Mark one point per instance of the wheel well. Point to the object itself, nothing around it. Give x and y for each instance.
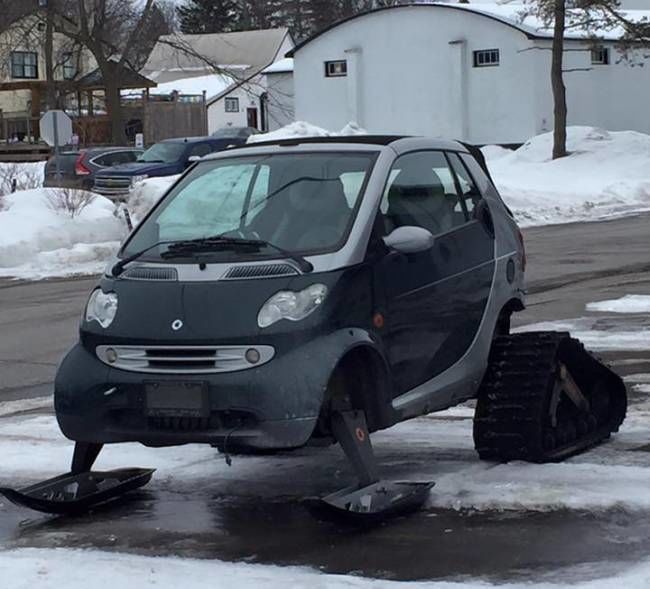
(503, 321)
(359, 381)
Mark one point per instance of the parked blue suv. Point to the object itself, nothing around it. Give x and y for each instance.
(166, 158)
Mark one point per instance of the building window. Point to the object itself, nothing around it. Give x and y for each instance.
(232, 104)
(24, 64)
(69, 66)
(600, 56)
(486, 58)
(336, 69)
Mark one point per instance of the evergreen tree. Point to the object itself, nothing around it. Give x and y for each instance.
(208, 16)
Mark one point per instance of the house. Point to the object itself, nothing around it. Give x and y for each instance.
(22, 65)
(471, 71)
(227, 67)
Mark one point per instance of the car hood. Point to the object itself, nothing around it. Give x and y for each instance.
(140, 169)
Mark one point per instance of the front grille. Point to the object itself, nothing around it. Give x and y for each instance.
(112, 185)
(183, 359)
(151, 273)
(259, 271)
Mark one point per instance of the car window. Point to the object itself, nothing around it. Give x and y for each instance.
(200, 150)
(470, 193)
(421, 192)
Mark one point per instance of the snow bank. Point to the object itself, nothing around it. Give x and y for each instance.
(37, 241)
(626, 304)
(495, 152)
(606, 175)
(28, 568)
(300, 129)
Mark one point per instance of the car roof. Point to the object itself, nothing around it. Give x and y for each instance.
(399, 143)
(187, 139)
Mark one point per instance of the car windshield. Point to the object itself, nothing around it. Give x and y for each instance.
(228, 132)
(163, 152)
(302, 203)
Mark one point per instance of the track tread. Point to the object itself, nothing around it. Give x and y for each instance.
(512, 414)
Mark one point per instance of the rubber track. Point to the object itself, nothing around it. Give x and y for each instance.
(512, 419)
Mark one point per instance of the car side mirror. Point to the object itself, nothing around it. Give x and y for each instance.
(193, 158)
(410, 239)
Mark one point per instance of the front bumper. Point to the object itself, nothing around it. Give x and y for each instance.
(273, 406)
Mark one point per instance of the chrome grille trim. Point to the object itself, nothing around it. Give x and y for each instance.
(183, 359)
(259, 271)
(152, 273)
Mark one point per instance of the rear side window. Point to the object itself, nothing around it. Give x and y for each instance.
(481, 179)
(115, 158)
(421, 192)
(469, 193)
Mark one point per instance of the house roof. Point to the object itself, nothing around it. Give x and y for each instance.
(283, 66)
(241, 54)
(128, 79)
(508, 14)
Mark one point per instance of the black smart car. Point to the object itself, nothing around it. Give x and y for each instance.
(317, 290)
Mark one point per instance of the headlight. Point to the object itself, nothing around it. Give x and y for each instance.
(294, 306)
(101, 307)
(136, 179)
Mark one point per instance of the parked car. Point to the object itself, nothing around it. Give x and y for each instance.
(79, 168)
(236, 135)
(169, 157)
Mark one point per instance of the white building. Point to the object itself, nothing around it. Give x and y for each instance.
(280, 93)
(468, 71)
(227, 67)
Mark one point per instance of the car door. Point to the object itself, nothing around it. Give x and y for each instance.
(433, 301)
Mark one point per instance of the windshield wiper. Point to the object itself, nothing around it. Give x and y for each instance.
(191, 246)
(150, 161)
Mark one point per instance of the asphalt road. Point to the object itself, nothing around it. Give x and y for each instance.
(259, 519)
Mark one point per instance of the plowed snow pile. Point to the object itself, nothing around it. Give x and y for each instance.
(38, 239)
(606, 175)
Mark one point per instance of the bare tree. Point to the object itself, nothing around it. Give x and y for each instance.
(113, 31)
(69, 201)
(592, 18)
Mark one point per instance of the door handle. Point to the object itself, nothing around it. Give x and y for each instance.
(484, 216)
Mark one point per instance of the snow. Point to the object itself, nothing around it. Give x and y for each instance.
(626, 304)
(301, 129)
(213, 85)
(30, 568)
(495, 152)
(283, 66)
(605, 176)
(37, 241)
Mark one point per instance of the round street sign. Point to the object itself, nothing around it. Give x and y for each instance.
(56, 127)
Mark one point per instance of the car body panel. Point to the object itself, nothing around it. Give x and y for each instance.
(439, 310)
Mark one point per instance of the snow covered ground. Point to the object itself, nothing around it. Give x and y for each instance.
(607, 175)
(56, 568)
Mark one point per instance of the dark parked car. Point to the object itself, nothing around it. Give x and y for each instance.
(315, 291)
(79, 168)
(169, 157)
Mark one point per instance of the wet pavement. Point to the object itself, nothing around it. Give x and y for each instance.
(257, 514)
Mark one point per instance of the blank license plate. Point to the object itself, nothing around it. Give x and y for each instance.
(177, 399)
